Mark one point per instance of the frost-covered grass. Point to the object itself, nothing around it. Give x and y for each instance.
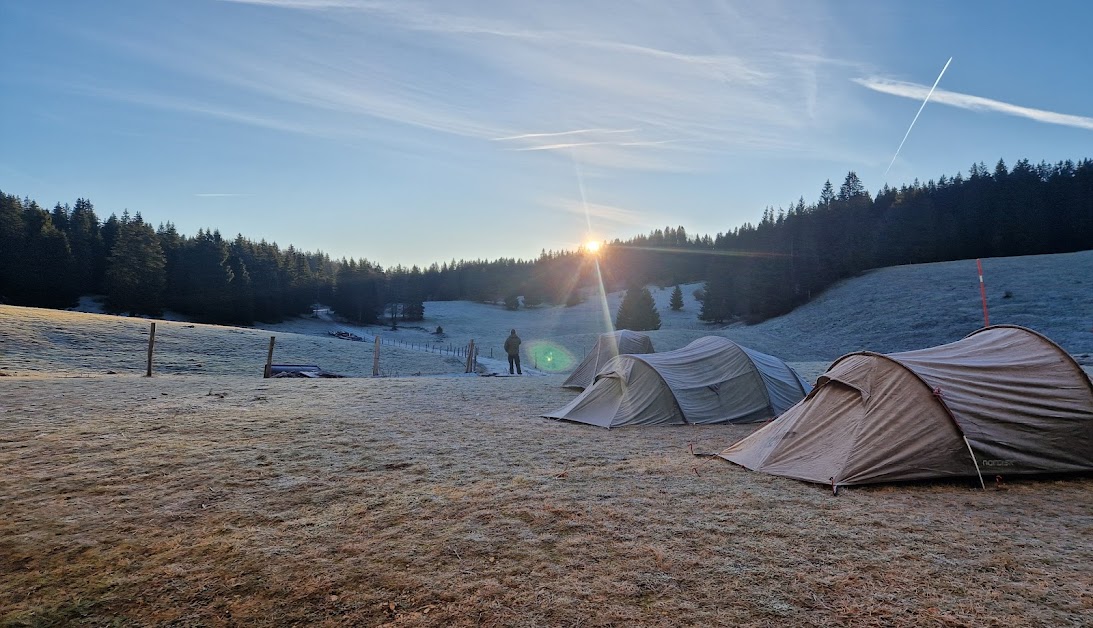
(887, 310)
(208, 496)
(205, 500)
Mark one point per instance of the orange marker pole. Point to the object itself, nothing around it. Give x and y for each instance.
(983, 294)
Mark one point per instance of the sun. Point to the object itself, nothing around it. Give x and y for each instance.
(592, 247)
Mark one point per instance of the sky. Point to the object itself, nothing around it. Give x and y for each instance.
(410, 132)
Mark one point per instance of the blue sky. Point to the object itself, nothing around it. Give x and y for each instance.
(411, 132)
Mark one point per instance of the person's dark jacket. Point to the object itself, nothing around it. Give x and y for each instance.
(512, 344)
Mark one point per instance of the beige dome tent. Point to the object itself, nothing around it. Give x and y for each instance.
(607, 346)
(1004, 400)
(711, 380)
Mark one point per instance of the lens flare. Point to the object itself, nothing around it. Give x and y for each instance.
(550, 357)
(592, 247)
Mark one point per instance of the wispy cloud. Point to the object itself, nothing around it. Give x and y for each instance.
(601, 213)
(915, 91)
(221, 194)
(662, 89)
(526, 136)
(564, 146)
(303, 4)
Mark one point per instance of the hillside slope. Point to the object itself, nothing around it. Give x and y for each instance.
(911, 307)
(885, 310)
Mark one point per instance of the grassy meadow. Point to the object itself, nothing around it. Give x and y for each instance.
(208, 496)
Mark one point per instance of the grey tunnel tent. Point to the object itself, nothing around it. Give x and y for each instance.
(607, 347)
(1004, 400)
(711, 380)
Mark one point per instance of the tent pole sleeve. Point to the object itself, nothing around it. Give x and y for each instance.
(977, 471)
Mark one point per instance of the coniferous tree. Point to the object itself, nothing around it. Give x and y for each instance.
(719, 294)
(47, 261)
(51, 258)
(358, 291)
(13, 272)
(241, 288)
(109, 233)
(413, 299)
(533, 294)
(88, 250)
(637, 312)
(676, 302)
(206, 292)
(135, 273)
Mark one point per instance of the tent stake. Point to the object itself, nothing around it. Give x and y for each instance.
(976, 463)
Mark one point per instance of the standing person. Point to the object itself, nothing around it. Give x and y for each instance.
(512, 348)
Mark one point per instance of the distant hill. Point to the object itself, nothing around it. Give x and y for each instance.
(910, 307)
(886, 310)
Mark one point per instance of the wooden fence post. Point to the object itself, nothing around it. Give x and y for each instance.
(470, 357)
(151, 345)
(269, 358)
(376, 358)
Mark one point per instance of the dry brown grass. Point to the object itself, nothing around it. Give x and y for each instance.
(447, 501)
(203, 496)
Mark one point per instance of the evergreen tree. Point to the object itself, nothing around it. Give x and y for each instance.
(827, 195)
(88, 250)
(171, 243)
(206, 291)
(241, 288)
(358, 291)
(637, 312)
(413, 299)
(852, 187)
(534, 294)
(13, 272)
(676, 303)
(135, 273)
(719, 294)
(47, 261)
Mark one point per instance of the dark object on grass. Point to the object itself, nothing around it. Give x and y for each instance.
(299, 370)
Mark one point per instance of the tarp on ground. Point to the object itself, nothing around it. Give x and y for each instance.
(1004, 400)
(711, 380)
(608, 346)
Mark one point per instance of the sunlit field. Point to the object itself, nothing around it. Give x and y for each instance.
(206, 495)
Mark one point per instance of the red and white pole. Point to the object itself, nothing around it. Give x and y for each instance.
(983, 294)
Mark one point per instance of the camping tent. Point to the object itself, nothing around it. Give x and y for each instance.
(607, 346)
(711, 380)
(1004, 400)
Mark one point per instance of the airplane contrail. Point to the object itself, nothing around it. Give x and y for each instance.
(927, 99)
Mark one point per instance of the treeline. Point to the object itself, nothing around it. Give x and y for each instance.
(764, 270)
(50, 258)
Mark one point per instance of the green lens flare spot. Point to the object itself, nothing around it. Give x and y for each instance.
(549, 357)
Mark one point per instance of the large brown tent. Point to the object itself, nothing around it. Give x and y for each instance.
(607, 346)
(1004, 400)
(711, 380)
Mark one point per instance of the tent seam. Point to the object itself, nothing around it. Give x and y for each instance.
(940, 400)
(1066, 356)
